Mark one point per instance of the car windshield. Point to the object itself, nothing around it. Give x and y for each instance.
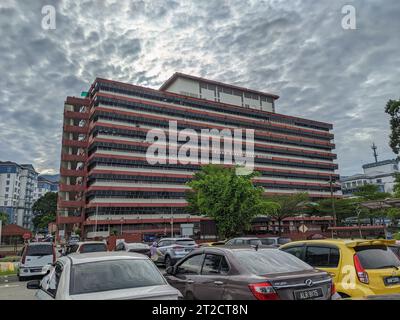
(267, 241)
(114, 275)
(268, 261)
(185, 242)
(93, 247)
(39, 250)
(284, 240)
(377, 257)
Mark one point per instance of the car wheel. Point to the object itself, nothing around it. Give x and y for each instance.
(168, 262)
(21, 278)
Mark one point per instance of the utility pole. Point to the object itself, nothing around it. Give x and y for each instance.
(374, 148)
(333, 201)
(1, 226)
(172, 224)
(95, 222)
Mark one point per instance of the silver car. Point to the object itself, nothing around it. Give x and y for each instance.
(171, 250)
(104, 276)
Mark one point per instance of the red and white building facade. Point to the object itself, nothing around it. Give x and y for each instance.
(106, 182)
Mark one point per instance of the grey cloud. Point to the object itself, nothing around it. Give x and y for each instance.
(296, 49)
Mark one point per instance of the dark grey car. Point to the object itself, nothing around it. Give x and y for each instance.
(232, 273)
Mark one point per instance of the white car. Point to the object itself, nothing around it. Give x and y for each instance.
(35, 256)
(104, 276)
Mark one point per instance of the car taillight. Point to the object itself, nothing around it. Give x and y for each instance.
(178, 248)
(333, 289)
(263, 291)
(361, 273)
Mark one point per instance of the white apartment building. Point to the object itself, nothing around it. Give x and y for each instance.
(379, 173)
(18, 183)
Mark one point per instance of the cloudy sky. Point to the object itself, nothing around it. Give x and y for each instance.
(296, 49)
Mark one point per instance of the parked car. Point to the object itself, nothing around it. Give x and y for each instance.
(104, 276)
(86, 247)
(359, 267)
(212, 244)
(73, 239)
(239, 273)
(252, 241)
(137, 247)
(34, 257)
(173, 249)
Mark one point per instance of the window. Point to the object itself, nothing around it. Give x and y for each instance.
(93, 247)
(8, 175)
(297, 251)
(377, 257)
(322, 256)
(8, 182)
(51, 281)
(120, 247)
(266, 261)
(7, 189)
(239, 241)
(114, 275)
(378, 180)
(213, 265)
(191, 265)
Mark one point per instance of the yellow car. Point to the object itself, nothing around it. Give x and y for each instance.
(359, 268)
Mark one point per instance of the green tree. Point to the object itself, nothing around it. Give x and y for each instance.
(393, 110)
(289, 205)
(371, 192)
(231, 200)
(396, 188)
(345, 208)
(4, 218)
(44, 210)
(393, 214)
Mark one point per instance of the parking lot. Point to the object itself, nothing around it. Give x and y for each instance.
(12, 289)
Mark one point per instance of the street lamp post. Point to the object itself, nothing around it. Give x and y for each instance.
(333, 201)
(172, 224)
(121, 220)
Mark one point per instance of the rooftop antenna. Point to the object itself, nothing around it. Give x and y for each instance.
(374, 147)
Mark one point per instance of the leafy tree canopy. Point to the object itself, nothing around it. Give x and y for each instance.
(393, 110)
(231, 200)
(4, 218)
(44, 210)
(371, 192)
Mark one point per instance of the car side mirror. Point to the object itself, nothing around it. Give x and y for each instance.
(170, 270)
(34, 284)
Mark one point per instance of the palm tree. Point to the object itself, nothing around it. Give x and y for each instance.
(288, 205)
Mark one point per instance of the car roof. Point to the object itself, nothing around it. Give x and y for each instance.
(235, 248)
(176, 239)
(346, 242)
(79, 258)
(246, 238)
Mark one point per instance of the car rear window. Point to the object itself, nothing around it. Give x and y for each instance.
(267, 261)
(39, 250)
(377, 257)
(93, 247)
(114, 275)
(185, 242)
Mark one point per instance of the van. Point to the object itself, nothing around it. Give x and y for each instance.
(35, 256)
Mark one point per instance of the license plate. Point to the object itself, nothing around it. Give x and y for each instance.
(308, 294)
(390, 281)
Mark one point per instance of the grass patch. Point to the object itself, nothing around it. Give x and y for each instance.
(10, 259)
(8, 273)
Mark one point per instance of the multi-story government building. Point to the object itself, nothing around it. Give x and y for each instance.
(108, 184)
